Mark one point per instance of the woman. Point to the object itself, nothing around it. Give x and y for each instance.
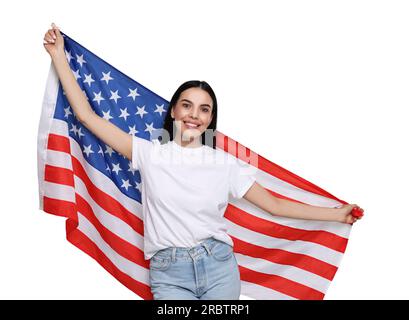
(191, 254)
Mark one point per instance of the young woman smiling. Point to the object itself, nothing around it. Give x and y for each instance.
(185, 189)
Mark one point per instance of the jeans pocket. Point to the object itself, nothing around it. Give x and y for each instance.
(222, 251)
(157, 263)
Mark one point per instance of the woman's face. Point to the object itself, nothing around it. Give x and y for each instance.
(192, 113)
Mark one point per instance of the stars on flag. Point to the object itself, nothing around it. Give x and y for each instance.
(149, 127)
(106, 77)
(67, 112)
(68, 55)
(132, 130)
(87, 150)
(106, 115)
(114, 96)
(88, 79)
(74, 129)
(124, 114)
(76, 74)
(97, 97)
(141, 111)
(80, 59)
(138, 186)
(125, 184)
(116, 168)
(109, 150)
(80, 134)
(160, 109)
(127, 105)
(130, 169)
(133, 94)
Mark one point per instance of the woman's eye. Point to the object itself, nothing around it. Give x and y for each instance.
(206, 110)
(185, 105)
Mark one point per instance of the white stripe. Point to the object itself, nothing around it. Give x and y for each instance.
(59, 159)
(286, 271)
(337, 228)
(59, 191)
(302, 247)
(259, 292)
(47, 111)
(134, 270)
(111, 222)
(59, 127)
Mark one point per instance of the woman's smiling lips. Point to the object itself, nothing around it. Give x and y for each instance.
(190, 124)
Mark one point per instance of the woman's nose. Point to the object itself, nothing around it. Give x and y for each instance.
(194, 114)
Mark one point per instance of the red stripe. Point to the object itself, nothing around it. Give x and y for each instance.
(81, 241)
(276, 230)
(302, 261)
(58, 143)
(59, 175)
(280, 284)
(240, 151)
(59, 207)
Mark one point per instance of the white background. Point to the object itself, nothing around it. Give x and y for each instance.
(318, 87)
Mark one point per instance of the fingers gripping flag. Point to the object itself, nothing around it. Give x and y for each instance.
(99, 192)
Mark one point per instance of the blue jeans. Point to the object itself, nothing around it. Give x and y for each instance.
(207, 271)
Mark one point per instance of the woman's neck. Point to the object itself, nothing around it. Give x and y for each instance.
(192, 143)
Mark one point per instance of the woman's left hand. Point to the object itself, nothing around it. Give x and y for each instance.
(345, 214)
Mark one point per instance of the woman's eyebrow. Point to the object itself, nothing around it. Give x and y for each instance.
(192, 103)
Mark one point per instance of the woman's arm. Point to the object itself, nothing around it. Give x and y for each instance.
(285, 208)
(102, 128)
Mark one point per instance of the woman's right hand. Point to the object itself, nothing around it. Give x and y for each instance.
(53, 41)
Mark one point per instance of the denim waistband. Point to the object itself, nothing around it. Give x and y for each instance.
(203, 247)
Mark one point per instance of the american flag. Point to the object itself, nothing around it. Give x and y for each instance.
(99, 193)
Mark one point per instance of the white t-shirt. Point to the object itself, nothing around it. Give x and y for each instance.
(185, 192)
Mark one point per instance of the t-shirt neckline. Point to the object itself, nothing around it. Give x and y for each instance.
(187, 149)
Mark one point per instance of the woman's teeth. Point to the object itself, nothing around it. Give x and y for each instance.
(191, 125)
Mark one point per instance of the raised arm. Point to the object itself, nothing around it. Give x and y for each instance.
(102, 128)
(260, 197)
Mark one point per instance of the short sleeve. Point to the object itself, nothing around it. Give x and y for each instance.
(241, 177)
(141, 148)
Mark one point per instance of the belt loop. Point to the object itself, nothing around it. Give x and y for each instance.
(173, 254)
(207, 248)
